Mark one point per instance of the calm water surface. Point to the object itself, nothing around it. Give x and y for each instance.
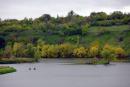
(55, 73)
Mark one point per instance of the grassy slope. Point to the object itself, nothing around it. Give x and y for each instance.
(109, 28)
(110, 34)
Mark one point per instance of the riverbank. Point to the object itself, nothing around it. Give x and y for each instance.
(92, 61)
(16, 60)
(86, 61)
(122, 60)
(102, 61)
(6, 69)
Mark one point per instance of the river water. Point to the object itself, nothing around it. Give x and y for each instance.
(54, 73)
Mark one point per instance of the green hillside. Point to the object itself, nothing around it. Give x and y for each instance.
(114, 35)
(113, 29)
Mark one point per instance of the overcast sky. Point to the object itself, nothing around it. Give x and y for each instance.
(35, 8)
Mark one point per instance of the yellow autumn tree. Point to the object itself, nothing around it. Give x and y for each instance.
(80, 52)
(108, 52)
(109, 47)
(43, 49)
(66, 50)
(18, 49)
(52, 51)
(94, 49)
(120, 52)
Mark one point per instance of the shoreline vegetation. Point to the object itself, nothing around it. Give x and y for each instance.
(98, 54)
(6, 69)
(87, 61)
(16, 60)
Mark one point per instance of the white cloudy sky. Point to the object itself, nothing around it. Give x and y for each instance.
(35, 8)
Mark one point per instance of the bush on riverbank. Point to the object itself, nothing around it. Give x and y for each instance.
(6, 69)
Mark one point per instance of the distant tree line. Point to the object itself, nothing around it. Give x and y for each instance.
(72, 24)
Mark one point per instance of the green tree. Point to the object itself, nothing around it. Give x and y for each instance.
(30, 50)
(40, 42)
(37, 54)
(45, 17)
(8, 51)
(107, 54)
(95, 16)
(117, 15)
(1, 53)
(85, 28)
